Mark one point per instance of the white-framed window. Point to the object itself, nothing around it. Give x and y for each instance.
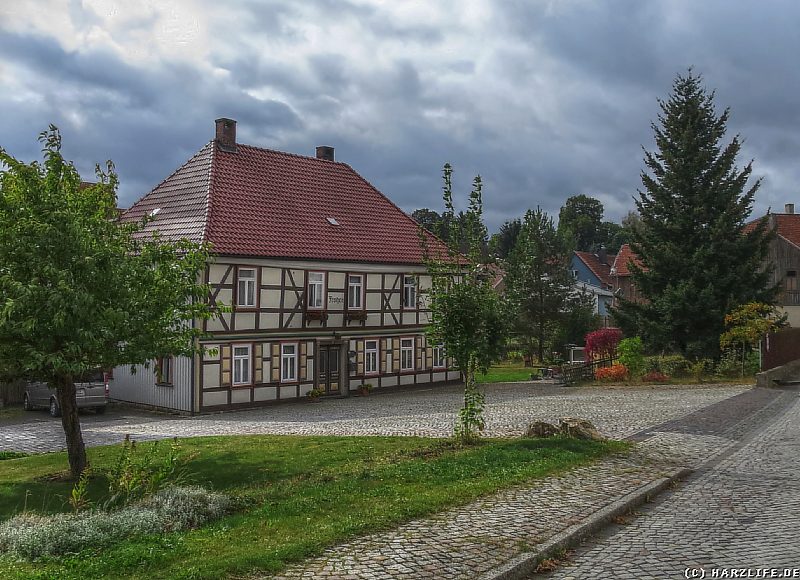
(288, 362)
(246, 288)
(409, 291)
(316, 289)
(241, 364)
(370, 357)
(355, 291)
(439, 357)
(407, 354)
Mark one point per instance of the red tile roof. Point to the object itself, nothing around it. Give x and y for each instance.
(624, 258)
(787, 225)
(602, 271)
(180, 201)
(263, 203)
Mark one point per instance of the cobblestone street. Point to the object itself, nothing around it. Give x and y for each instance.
(740, 511)
(617, 412)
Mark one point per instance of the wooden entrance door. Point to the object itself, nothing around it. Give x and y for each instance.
(329, 371)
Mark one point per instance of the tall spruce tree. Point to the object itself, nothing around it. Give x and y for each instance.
(540, 287)
(699, 261)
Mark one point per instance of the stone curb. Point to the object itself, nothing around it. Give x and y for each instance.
(525, 564)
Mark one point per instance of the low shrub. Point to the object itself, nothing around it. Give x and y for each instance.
(655, 377)
(11, 455)
(32, 536)
(673, 365)
(615, 372)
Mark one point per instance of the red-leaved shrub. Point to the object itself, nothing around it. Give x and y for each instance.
(612, 373)
(602, 343)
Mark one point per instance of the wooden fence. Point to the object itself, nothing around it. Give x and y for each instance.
(779, 348)
(573, 373)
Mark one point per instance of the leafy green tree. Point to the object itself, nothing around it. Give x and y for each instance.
(78, 290)
(581, 218)
(467, 315)
(501, 243)
(746, 325)
(699, 261)
(429, 219)
(539, 285)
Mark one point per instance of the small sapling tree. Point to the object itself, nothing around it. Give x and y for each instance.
(467, 314)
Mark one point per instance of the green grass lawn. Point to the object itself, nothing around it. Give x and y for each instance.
(298, 495)
(11, 412)
(506, 372)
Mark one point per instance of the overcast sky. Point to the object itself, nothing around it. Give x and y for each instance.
(545, 99)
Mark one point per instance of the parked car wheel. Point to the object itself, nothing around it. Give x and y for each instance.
(26, 403)
(100, 410)
(54, 410)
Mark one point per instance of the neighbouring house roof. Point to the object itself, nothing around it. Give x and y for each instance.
(264, 203)
(625, 257)
(599, 269)
(786, 225)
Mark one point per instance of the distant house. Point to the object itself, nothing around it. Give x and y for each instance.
(324, 274)
(607, 276)
(784, 258)
(620, 275)
(592, 274)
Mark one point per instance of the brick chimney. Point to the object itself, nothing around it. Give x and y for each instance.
(226, 134)
(325, 152)
(789, 208)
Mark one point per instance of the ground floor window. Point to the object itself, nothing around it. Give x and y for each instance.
(241, 365)
(407, 354)
(164, 370)
(371, 357)
(439, 359)
(288, 362)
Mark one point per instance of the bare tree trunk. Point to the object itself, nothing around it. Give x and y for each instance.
(76, 450)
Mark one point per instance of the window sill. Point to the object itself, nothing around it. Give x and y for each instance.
(168, 385)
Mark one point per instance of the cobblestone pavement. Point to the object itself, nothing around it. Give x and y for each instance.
(429, 412)
(740, 511)
(473, 540)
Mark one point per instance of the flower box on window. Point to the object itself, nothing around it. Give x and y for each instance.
(316, 315)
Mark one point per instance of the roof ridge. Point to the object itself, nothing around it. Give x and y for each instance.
(288, 154)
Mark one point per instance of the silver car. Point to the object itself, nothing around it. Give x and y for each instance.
(91, 390)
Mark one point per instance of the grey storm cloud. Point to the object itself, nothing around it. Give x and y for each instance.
(544, 100)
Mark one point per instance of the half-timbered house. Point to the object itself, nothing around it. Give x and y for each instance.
(323, 274)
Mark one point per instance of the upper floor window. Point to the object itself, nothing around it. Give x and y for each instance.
(246, 287)
(316, 289)
(409, 291)
(407, 354)
(370, 356)
(241, 364)
(790, 282)
(355, 291)
(288, 362)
